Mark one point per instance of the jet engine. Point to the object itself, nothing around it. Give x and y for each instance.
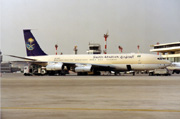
(54, 66)
(83, 68)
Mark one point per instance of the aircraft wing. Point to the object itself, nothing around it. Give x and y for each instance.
(99, 67)
(22, 57)
(28, 60)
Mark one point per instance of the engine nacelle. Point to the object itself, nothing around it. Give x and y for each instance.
(82, 68)
(54, 66)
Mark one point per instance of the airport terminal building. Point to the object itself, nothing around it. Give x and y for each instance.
(170, 51)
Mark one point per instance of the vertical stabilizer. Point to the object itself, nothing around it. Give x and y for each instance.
(32, 46)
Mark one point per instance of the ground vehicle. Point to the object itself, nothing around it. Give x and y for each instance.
(39, 70)
(34, 69)
(159, 72)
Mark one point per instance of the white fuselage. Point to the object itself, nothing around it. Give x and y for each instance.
(137, 61)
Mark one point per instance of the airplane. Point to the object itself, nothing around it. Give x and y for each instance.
(83, 64)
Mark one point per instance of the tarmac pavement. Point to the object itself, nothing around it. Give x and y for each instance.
(90, 97)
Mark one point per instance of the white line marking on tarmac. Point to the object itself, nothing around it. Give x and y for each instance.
(132, 110)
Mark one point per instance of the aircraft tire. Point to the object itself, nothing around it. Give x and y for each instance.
(82, 73)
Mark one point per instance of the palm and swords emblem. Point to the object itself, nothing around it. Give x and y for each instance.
(29, 44)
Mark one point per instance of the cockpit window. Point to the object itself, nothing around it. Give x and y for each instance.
(160, 58)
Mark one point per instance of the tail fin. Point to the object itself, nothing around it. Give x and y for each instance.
(32, 47)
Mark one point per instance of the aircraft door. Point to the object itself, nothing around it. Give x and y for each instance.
(129, 67)
(139, 59)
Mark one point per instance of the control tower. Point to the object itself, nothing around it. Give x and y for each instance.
(0, 56)
(94, 48)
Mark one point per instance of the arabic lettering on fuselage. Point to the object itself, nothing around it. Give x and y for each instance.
(120, 57)
(105, 57)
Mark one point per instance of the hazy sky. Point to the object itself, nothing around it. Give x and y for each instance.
(78, 22)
